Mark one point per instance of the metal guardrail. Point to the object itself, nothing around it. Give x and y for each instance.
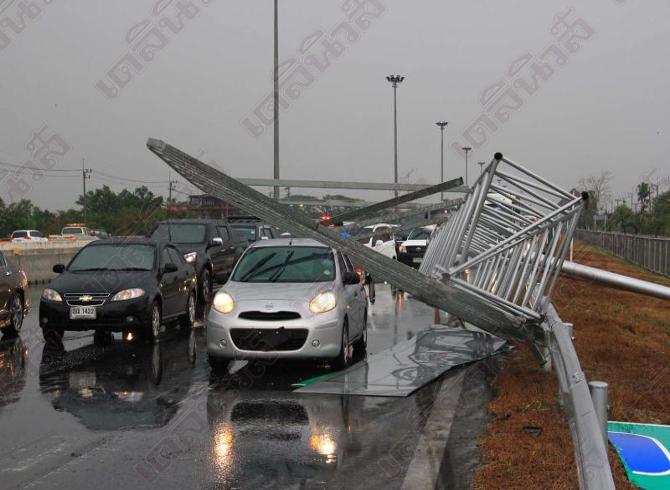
(593, 466)
(652, 253)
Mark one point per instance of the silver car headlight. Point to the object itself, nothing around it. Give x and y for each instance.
(127, 294)
(223, 302)
(190, 257)
(52, 295)
(323, 302)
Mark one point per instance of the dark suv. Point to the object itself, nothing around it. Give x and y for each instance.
(209, 244)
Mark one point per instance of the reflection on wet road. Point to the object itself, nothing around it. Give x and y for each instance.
(136, 415)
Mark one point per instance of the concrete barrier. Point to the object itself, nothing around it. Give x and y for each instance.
(38, 262)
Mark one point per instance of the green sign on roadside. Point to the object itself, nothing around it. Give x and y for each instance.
(644, 450)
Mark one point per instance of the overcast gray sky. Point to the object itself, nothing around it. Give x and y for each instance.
(604, 108)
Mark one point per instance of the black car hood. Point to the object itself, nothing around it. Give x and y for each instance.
(102, 281)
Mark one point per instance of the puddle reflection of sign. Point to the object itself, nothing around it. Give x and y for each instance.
(644, 449)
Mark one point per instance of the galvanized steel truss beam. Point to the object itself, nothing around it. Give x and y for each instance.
(389, 203)
(507, 242)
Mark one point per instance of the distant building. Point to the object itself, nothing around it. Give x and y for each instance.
(206, 206)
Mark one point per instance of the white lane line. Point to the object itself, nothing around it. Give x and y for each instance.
(424, 468)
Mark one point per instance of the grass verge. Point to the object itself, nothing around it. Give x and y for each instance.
(622, 338)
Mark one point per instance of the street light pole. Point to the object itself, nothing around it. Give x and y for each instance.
(85, 174)
(276, 102)
(481, 167)
(442, 125)
(395, 80)
(467, 150)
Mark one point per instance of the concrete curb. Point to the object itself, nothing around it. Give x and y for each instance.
(424, 469)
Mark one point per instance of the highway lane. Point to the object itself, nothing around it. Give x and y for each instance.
(135, 415)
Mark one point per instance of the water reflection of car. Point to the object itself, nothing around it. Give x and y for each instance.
(120, 386)
(291, 437)
(412, 250)
(13, 354)
(14, 301)
(124, 285)
(288, 298)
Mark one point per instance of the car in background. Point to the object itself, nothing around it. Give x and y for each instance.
(412, 250)
(19, 236)
(379, 237)
(208, 244)
(251, 229)
(124, 285)
(14, 302)
(100, 233)
(76, 230)
(288, 298)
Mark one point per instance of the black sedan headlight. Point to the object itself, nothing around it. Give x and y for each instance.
(127, 294)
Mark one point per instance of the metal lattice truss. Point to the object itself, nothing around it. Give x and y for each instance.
(507, 242)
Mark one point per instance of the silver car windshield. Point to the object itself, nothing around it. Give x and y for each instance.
(286, 264)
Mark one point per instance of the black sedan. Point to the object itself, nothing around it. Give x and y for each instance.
(123, 285)
(13, 297)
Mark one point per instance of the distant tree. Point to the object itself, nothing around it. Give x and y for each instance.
(661, 215)
(340, 197)
(623, 219)
(643, 196)
(598, 189)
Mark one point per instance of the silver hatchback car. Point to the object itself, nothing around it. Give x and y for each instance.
(288, 298)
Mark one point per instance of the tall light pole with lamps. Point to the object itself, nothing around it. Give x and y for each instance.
(442, 125)
(481, 167)
(276, 102)
(467, 150)
(395, 80)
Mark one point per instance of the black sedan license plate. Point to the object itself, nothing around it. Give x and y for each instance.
(82, 313)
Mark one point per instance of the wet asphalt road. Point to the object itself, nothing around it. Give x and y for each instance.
(133, 415)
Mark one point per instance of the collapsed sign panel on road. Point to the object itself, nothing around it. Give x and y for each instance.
(409, 365)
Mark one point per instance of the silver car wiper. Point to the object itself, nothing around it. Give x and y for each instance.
(276, 275)
(255, 268)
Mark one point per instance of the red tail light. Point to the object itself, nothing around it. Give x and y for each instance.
(326, 217)
(359, 270)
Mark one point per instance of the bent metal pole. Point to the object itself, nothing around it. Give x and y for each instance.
(616, 280)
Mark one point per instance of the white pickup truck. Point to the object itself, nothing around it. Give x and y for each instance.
(378, 237)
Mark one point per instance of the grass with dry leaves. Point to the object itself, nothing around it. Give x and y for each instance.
(622, 338)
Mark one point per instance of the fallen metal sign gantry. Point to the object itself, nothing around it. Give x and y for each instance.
(507, 243)
(444, 294)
